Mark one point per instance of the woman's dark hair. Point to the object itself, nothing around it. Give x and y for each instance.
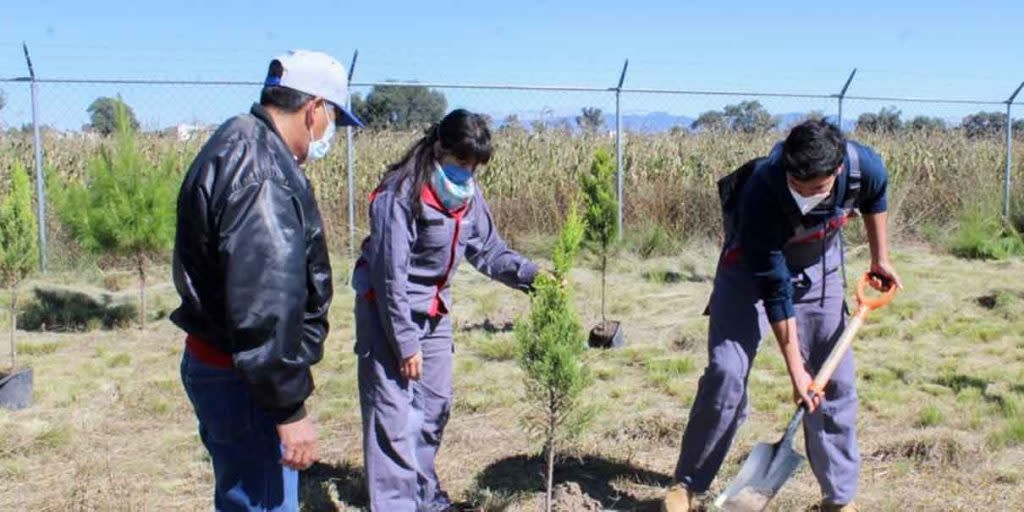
(813, 149)
(461, 134)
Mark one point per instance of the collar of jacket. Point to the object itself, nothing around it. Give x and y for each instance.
(431, 199)
(259, 112)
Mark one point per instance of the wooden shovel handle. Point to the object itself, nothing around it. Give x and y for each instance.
(864, 306)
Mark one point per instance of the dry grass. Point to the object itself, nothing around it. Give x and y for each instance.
(669, 178)
(940, 385)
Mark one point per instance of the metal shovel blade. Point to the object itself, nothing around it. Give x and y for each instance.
(763, 474)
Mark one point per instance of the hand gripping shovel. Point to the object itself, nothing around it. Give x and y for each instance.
(769, 466)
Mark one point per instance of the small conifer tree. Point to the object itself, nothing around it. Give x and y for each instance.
(126, 206)
(18, 245)
(551, 342)
(601, 206)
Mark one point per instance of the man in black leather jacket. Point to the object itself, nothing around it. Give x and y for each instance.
(252, 269)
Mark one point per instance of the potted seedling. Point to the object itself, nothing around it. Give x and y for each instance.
(601, 236)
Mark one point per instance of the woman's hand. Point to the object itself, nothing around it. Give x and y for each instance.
(411, 367)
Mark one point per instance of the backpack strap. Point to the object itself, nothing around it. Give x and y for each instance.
(853, 179)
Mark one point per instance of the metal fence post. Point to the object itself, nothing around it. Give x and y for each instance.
(842, 95)
(351, 168)
(618, 146)
(1009, 151)
(40, 179)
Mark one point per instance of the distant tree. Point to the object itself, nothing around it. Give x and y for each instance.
(103, 115)
(678, 130)
(3, 100)
(868, 122)
(984, 124)
(542, 123)
(711, 121)
(591, 120)
(358, 107)
(887, 120)
(400, 107)
(927, 124)
(563, 126)
(126, 205)
(814, 115)
(1018, 128)
(749, 117)
(18, 246)
(511, 123)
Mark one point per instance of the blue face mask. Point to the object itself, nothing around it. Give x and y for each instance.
(453, 195)
(457, 174)
(318, 147)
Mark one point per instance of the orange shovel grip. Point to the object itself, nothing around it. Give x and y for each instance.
(873, 303)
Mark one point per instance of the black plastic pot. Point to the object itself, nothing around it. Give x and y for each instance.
(607, 335)
(16, 389)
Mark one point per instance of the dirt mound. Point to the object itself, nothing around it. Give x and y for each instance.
(569, 497)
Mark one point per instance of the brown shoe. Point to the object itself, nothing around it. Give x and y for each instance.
(677, 499)
(832, 507)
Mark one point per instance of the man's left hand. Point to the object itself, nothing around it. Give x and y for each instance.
(884, 270)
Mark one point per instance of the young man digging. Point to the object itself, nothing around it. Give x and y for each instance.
(783, 265)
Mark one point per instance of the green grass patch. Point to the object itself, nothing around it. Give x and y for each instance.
(53, 437)
(38, 349)
(666, 375)
(930, 416)
(119, 360)
(1011, 434)
(652, 240)
(986, 236)
(494, 348)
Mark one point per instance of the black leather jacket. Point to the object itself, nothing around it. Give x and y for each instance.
(250, 262)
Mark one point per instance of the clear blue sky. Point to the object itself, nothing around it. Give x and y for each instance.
(950, 49)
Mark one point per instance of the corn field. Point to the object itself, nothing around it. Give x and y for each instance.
(669, 177)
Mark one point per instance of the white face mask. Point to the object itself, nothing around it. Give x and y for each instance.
(806, 204)
(318, 147)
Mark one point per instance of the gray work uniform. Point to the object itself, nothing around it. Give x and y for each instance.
(403, 284)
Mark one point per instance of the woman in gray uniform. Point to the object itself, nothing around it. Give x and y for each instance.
(426, 216)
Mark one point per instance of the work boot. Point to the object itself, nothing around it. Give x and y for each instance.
(833, 507)
(677, 499)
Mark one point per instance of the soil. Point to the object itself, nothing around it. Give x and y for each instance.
(569, 497)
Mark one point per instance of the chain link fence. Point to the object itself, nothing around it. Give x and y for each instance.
(544, 141)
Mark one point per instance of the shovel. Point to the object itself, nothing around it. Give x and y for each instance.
(769, 466)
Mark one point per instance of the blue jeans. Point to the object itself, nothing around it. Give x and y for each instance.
(242, 441)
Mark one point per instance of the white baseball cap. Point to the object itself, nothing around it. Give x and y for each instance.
(318, 74)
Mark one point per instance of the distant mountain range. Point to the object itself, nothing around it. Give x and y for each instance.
(657, 122)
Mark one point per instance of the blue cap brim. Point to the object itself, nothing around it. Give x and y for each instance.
(347, 119)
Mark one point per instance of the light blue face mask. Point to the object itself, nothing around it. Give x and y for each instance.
(318, 148)
(453, 195)
(458, 174)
